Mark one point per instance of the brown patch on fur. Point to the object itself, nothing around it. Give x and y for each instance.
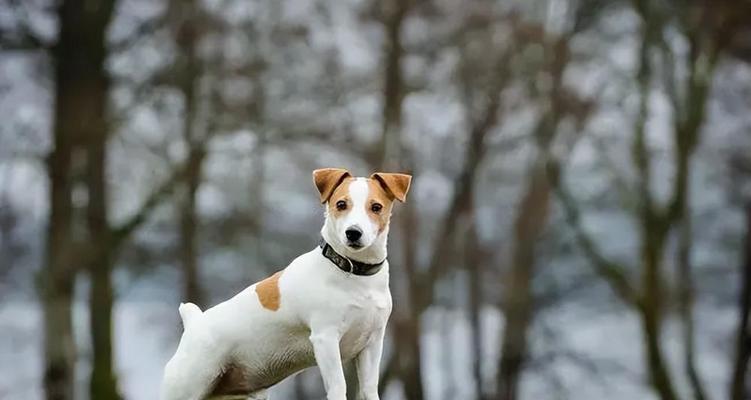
(327, 180)
(377, 194)
(233, 381)
(341, 193)
(268, 292)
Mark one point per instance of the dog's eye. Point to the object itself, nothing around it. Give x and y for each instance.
(341, 205)
(376, 208)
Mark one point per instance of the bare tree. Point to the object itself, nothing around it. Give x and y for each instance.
(103, 382)
(706, 31)
(518, 302)
(187, 71)
(81, 131)
(80, 98)
(686, 296)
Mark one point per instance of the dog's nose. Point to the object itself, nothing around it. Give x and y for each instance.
(353, 233)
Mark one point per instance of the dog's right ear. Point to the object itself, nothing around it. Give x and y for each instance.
(327, 179)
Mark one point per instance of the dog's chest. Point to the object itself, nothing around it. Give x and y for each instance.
(364, 315)
(355, 305)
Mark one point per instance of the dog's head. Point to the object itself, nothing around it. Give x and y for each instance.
(358, 209)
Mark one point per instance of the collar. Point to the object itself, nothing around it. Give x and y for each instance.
(348, 265)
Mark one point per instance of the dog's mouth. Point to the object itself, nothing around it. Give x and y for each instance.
(354, 245)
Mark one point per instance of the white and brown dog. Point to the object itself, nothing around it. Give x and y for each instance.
(328, 306)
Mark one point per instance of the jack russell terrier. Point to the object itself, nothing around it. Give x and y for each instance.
(328, 306)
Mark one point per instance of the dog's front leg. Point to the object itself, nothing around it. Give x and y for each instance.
(368, 366)
(328, 357)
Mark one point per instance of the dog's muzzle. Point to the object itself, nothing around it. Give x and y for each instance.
(353, 235)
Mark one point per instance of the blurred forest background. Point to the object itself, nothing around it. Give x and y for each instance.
(578, 226)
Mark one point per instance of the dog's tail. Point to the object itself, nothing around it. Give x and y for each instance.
(189, 312)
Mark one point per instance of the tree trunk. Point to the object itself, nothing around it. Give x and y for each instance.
(80, 98)
(474, 269)
(103, 384)
(187, 38)
(658, 373)
(408, 324)
(518, 301)
(188, 227)
(59, 378)
(408, 334)
(58, 277)
(686, 304)
(529, 223)
(654, 227)
(739, 386)
(387, 155)
(651, 310)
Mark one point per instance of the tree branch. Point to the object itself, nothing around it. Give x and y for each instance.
(640, 150)
(686, 305)
(24, 38)
(612, 272)
(464, 181)
(121, 232)
(687, 129)
(146, 28)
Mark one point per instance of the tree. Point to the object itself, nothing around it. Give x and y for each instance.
(188, 72)
(557, 104)
(707, 29)
(390, 155)
(81, 129)
(81, 91)
(103, 382)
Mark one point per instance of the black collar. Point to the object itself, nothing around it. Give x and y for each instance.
(348, 265)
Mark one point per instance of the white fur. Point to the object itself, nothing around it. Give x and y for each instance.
(326, 316)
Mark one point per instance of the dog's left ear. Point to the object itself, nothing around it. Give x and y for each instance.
(327, 179)
(397, 185)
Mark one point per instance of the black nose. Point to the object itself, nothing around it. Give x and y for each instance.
(353, 233)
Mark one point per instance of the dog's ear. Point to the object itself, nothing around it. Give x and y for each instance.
(397, 185)
(327, 179)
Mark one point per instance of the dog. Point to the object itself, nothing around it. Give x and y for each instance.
(327, 307)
